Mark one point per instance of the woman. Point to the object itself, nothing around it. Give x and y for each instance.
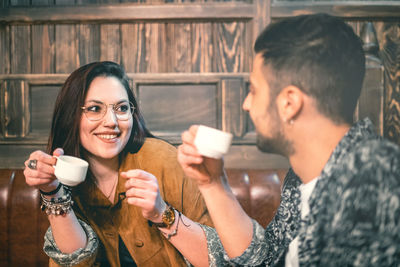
(128, 211)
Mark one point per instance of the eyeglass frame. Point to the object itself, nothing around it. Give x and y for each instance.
(131, 105)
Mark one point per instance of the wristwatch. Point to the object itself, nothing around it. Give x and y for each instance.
(168, 218)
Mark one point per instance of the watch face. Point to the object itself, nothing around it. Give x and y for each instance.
(168, 216)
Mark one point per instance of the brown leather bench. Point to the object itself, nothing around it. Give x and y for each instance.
(22, 224)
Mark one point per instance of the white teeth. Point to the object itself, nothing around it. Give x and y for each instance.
(107, 136)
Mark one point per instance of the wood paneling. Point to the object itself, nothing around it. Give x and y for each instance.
(390, 54)
(66, 48)
(350, 9)
(131, 46)
(230, 46)
(202, 47)
(5, 51)
(20, 49)
(88, 36)
(43, 48)
(155, 52)
(178, 47)
(129, 12)
(16, 106)
(177, 106)
(110, 43)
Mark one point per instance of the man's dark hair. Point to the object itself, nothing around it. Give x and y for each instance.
(321, 55)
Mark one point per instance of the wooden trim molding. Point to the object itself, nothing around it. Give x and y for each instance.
(128, 12)
(351, 9)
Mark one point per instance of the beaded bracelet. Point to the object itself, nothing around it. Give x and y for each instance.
(57, 206)
(55, 191)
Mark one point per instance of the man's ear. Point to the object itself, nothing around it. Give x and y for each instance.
(290, 103)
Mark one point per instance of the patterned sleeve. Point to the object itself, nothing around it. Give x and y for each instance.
(268, 244)
(85, 256)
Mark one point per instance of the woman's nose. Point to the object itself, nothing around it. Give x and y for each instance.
(110, 119)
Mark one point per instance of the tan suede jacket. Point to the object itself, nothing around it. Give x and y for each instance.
(147, 246)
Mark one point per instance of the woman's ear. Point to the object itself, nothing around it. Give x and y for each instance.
(290, 103)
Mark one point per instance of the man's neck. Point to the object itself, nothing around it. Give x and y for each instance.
(314, 145)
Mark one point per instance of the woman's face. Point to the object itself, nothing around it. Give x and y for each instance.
(105, 138)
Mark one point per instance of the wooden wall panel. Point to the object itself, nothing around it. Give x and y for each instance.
(233, 95)
(110, 42)
(43, 48)
(230, 45)
(389, 36)
(5, 51)
(178, 47)
(177, 106)
(19, 2)
(42, 2)
(155, 52)
(66, 48)
(88, 36)
(64, 2)
(41, 110)
(131, 46)
(20, 49)
(15, 100)
(202, 47)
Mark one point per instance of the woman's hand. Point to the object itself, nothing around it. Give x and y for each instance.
(203, 170)
(42, 176)
(142, 191)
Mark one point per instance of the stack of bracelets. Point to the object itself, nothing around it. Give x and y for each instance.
(59, 205)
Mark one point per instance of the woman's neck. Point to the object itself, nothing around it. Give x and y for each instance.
(103, 169)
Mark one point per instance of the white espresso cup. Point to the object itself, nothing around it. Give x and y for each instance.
(211, 142)
(70, 170)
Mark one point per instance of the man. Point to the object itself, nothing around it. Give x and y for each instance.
(340, 203)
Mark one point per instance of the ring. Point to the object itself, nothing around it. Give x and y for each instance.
(32, 164)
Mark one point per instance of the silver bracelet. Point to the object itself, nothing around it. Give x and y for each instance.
(57, 206)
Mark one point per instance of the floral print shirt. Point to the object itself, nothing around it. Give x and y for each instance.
(354, 217)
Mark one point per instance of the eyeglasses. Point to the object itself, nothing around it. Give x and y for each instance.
(96, 110)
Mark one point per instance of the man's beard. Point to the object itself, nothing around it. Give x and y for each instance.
(276, 145)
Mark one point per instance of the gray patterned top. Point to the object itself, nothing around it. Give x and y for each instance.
(64, 259)
(354, 217)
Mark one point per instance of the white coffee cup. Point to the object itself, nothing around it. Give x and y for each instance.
(211, 142)
(70, 170)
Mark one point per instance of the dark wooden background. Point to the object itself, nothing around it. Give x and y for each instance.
(189, 62)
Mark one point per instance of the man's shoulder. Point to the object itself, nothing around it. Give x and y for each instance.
(376, 149)
(372, 161)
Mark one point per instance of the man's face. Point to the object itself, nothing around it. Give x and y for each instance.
(264, 113)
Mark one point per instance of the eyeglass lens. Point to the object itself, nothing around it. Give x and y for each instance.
(96, 110)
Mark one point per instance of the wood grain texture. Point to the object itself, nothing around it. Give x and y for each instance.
(131, 46)
(19, 2)
(88, 36)
(5, 51)
(43, 48)
(16, 106)
(20, 49)
(155, 52)
(178, 47)
(110, 43)
(66, 48)
(233, 117)
(390, 54)
(64, 2)
(202, 47)
(230, 45)
(42, 2)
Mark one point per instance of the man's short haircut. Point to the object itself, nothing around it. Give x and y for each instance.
(321, 55)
